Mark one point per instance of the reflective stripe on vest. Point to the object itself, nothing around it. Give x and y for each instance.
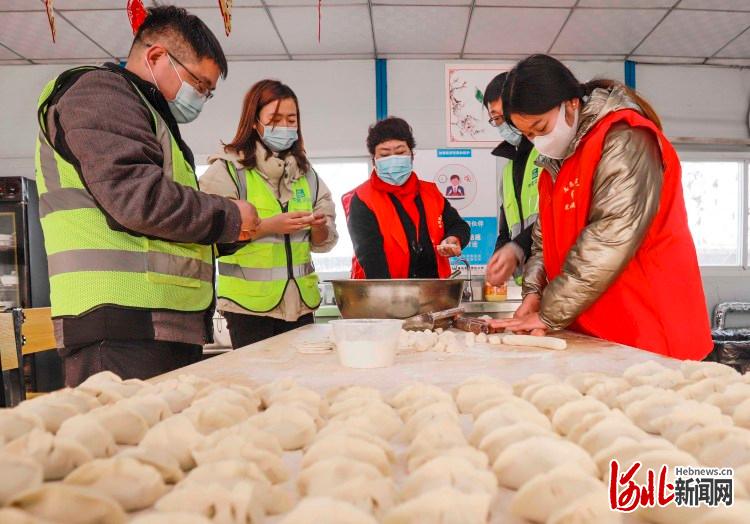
(257, 275)
(90, 264)
(518, 219)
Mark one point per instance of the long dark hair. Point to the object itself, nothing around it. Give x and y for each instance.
(244, 142)
(540, 83)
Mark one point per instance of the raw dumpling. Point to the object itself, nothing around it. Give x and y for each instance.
(432, 414)
(408, 411)
(718, 446)
(240, 505)
(376, 417)
(176, 393)
(133, 485)
(625, 449)
(177, 436)
(494, 402)
(236, 447)
(586, 380)
(469, 453)
(83, 402)
(171, 517)
(329, 472)
(470, 394)
(437, 436)
(52, 412)
(209, 416)
(647, 411)
(244, 398)
(87, 431)
(728, 400)
(15, 423)
(57, 455)
(591, 420)
(19, 474)
(537, 378)
(546, 493)
(498, 440)
(737, 513)
(607, 391)
(414, 392)
(654, 374)
(17, 516)
(549, 398)
(741, 415)
(589, 509)
(639, 393)
(108, 388)
(69, 504)
(126, 426)
(159, 459)
(250, 433)
(345, 446)
(444, 505)
(505, 415)
(524, 460)
(340, 428)
(316, 510)
(452, 472)
(696, 370)
(153, 408)
(375, 496)
(702, 389)
(293, 426)
(199, 383)
(687, 416)
(603, 433)
(569, 414)
(345, 392)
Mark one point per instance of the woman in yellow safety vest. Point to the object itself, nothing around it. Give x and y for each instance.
(269, 285)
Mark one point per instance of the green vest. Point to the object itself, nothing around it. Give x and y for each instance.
(91, 265)
(519, 219)
(257, 275)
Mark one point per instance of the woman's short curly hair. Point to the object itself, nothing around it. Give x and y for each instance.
(391, 128)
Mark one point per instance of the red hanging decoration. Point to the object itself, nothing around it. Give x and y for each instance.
(226, 13)
(51, 18)
(136, 14)
(320, 15)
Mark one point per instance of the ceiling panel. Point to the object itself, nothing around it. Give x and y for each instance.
(732, 5)
(423, 56)
(669, 59)
(606, 30)
(422, 2)
(343, 29)
(742, 62)
(252, 31)
(708, 32)
(109, 29)
(13, 62)
(420, 29)
(7, 54)
(312, 3)
(739, 48)
(594, 58)
(28, 35)
(344, 56)
(497, 30)
(528, 3)
(209, 3)
(627, 3)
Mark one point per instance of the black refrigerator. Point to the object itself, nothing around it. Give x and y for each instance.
(24, 281)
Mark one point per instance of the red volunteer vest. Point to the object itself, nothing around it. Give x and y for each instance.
(657, 303)
(395, 244)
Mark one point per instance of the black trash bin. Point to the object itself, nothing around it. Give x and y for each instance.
(731, 345)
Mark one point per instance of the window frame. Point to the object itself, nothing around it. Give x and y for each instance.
(743, 159)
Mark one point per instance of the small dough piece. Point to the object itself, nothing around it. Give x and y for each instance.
(213, 415)
(239, 505)
(171, 517)
(469, 453)
(237, 447)
(537, 378)
(19, 473)
(153, 408)
(481, 338)
(51, 411)
(135, 486)
(625, 449)
(444, 505)
(177, 436)
(570, 413)
(505, 415)
(524, 460)
(468, 395)
(125, 425)
(87, 431)
(495, 340)
(470, 339)
(549, 398)
(58, 456)
(346, 446)
(446, 471)
(546, 493)
(317, 510)
(293, 426)
(498, 440)
(537, 342)
(70, 504)
(589, 509)
(159, 459)
(176, 393)
(15, 423)
(606, 431)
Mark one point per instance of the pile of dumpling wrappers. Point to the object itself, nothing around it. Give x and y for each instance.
(188, 450)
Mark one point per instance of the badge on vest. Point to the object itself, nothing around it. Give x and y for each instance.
(299, 195)
(534, 175)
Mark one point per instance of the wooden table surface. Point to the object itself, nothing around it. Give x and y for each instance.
(278, 357)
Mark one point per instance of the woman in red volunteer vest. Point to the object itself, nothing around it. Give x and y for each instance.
(613, 256)
(401, 227)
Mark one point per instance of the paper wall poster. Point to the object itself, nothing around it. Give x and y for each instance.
(467, 120)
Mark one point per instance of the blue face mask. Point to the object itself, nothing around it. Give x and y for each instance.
(394, 169)
(188, 102)
(279, 138)
(510, 134)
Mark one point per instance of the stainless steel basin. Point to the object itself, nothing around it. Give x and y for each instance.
(397, 298)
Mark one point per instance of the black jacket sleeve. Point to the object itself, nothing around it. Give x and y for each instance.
(503, 235)
(455, 226)
(367, 239)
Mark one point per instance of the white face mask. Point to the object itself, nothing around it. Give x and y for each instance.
(555, 143)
